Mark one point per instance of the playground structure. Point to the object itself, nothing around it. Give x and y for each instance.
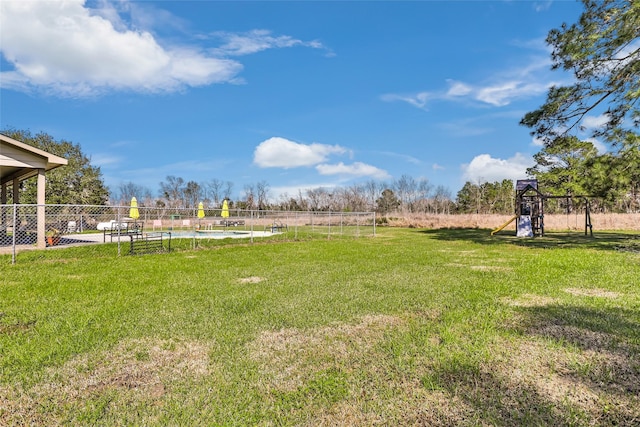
(529, 210)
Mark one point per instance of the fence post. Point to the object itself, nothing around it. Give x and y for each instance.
(118, 225)
(374, 223)
(251, 234)
(15, 215)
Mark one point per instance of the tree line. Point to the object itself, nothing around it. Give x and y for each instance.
(405, 194)
(568, 168)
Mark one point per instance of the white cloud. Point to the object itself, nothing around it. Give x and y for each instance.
(532, 78)
(418, 100)
(484, 168)
(600, 146)
(458, 88)
(283, 153)
(358, 169)
(437, 167)
(592, 122)
(541, 6)
(258, 40)
(537, 142)
(504, 93)
(105, 159)
(63, 48)
(497, 94)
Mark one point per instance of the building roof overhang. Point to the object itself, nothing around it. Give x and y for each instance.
(22, 161)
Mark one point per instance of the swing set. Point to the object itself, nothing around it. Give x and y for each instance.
(530, 204)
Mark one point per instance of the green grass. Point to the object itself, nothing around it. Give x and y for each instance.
(411, 327)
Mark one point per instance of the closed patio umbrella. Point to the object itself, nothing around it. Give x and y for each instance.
(133, 213)
(200, 210)
(225, 210)
(133, 210)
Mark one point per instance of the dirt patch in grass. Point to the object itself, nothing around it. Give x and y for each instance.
(455, 264)
(527, 381)
(596, 387)
(134, 373)
(600, 293)
(15, 327)
(545, 369)
(252, 279)
(537, 378)
(479, 267)
(290, 357)
(529, 300)
(291, 360)
(580, 337)
(489, 268)
(406, 406)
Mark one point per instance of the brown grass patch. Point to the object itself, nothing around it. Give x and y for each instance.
(479, 267)
(16, 327)
(252, 279)
(601, 293)
(583, 338)
(525, 380)
(290, 356)
(589, 380)
(408, 405)
(490, 268)
(136, 372)
(529, 300)
(544, 369)
(455, 264)
(376, 393)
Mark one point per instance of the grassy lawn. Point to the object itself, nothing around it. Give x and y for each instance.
(411, 327)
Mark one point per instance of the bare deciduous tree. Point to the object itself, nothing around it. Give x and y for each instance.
(262, 188)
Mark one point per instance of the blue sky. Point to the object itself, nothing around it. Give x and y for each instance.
(295, 94)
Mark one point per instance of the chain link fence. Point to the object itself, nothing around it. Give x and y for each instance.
(76, 225)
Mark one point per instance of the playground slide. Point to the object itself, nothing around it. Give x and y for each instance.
(504, 225)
